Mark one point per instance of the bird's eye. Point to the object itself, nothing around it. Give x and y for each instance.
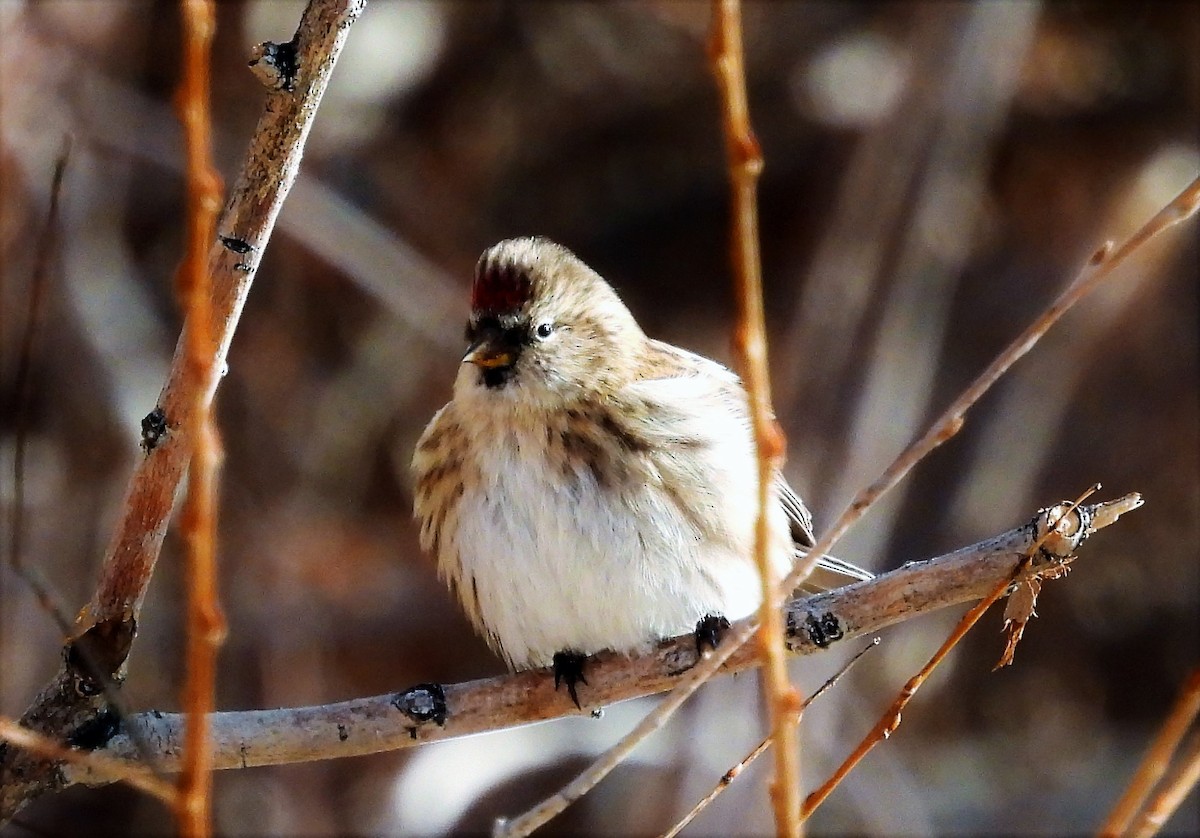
(544, 330)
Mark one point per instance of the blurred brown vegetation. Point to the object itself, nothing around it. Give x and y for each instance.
(935, 173)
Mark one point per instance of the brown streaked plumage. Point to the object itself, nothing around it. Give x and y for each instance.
(589, 487)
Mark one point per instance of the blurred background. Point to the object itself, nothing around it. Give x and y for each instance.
(935, 173)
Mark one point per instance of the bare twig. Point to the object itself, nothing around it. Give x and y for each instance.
(205, 623)
(1063, 518)
(1101, 265)
(733, 773)
(23, 388)
(430, 712)
(1174, 788)
(974, 87)
(1158, 757)
(750, 340)
(120, 770)
(74, 699)
(267, 175)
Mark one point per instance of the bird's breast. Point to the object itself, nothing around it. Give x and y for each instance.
(574, 539)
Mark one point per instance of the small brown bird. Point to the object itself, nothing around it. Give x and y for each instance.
(588, 487)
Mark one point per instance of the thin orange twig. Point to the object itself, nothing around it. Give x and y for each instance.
(205, 622)
(1174, 788)
(135, 775)
(890, 720)
(750, 339)
(733, 773)
(1157, 758)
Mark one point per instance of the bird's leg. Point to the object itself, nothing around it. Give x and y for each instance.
(568, 668)
(708, 632)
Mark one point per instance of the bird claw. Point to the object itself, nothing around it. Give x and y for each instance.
(708, 632)
(568, 669)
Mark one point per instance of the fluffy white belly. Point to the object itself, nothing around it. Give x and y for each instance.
(568, 565)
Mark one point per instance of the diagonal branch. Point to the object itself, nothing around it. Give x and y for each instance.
(73, 707)
(1062, 517)
(135, 775)
(1156, 760)
(1179, 781)
(270, 168)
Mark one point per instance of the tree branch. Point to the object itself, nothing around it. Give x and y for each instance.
(430, 712)
(268, 172)
(205, 622)
(73, 707)
(745, 163)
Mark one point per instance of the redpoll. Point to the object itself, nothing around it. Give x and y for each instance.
(588, 487)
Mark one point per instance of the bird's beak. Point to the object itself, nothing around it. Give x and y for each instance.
(489, 353)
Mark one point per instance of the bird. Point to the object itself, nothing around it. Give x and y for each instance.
(590, 488)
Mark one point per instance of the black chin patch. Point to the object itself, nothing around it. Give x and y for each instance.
(496, 377)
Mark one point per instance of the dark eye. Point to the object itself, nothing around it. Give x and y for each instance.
(544, 330)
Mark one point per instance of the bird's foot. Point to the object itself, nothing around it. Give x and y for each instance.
(708, 632)
(568, 669)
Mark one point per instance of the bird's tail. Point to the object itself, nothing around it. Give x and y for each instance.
(831, 573)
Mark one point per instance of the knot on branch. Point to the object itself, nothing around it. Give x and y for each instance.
(822, 630)
(95, 732)
(275, 64)
(235, 245)
(154, 428)
(423, 703)
(97, 657)
(1062, 528)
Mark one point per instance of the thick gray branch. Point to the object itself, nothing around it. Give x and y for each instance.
(429, 712)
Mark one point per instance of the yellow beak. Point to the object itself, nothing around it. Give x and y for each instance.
(486, 354)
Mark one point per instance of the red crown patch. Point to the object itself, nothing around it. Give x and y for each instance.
(499, 288)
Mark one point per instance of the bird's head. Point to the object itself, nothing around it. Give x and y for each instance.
(545, 329)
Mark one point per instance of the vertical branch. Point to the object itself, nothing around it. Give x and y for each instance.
(745, 166)
(205, 622)
(94, 659)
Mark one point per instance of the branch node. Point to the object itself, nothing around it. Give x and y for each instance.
(96, 732)
(275, 64)
(1102, 253)
(98, 655)
(423, 703)
(154, 428)
(822, 630)
(236, 245)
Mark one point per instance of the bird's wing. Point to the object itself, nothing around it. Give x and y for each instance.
(667, 362)
(799, 518)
